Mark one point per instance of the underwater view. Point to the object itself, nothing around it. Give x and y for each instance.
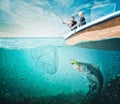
(39, 71)
(59, 51)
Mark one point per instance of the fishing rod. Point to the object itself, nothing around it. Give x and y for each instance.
(58, 16)
(52, 10)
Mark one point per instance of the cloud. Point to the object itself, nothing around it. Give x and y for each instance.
(32, 19)
(64, 3)
(40, 17)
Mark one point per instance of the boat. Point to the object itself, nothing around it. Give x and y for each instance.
(102, 33)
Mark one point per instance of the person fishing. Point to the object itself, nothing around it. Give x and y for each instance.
(82, 20)
(71, 23)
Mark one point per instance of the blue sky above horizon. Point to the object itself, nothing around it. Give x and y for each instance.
(42, 18)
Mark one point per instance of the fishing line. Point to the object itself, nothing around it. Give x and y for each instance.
(61, 19)
(52, 10)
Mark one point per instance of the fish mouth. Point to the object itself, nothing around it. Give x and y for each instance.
(74, 62)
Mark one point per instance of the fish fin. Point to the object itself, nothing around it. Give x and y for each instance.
(92, 88)
(95, 65)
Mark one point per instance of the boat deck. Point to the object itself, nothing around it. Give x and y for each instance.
(95, 22)
(103, 33)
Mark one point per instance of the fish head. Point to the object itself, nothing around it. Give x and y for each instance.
(83, 67)
(75, 64)
(78, 65)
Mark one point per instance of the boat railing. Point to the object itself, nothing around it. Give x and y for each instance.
(97, 12)
(101, 10)
(77, 25)
(94, 22)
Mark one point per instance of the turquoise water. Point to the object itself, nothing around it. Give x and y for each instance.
(40, 67)
(39, 70)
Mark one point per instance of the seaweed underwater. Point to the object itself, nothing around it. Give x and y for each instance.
(44, 75)
(110, 95)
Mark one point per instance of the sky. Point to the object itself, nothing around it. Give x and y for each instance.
(43, 18)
